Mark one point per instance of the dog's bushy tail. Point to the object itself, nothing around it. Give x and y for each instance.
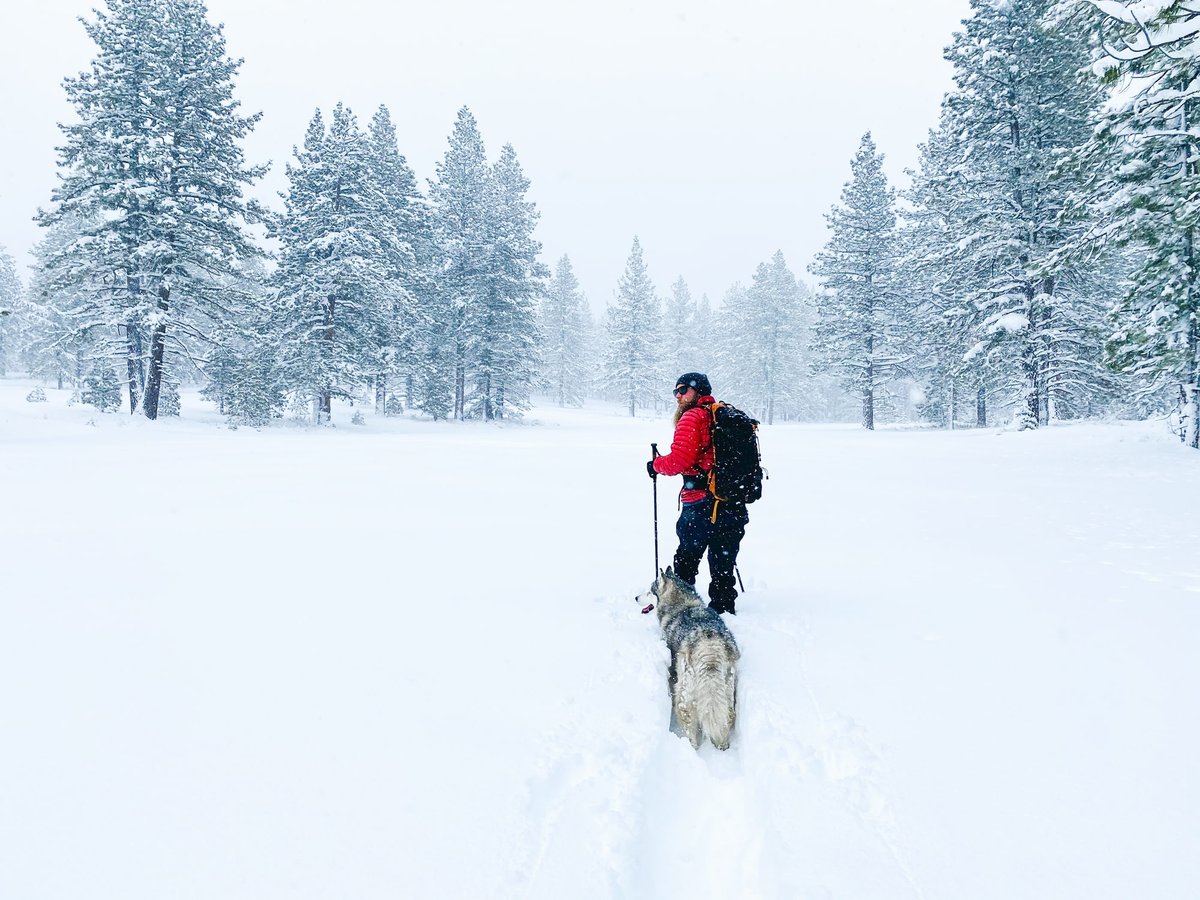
(711, 676)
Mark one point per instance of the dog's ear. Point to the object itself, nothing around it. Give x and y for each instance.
(667, 571)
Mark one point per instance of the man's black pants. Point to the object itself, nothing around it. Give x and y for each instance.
(697, 533)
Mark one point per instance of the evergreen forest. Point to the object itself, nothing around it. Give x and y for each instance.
(1038, 265)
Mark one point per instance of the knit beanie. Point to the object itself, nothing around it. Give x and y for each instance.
(698, 380)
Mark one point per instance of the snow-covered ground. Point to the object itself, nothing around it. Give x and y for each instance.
(405, 660)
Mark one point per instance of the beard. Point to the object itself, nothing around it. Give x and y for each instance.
(681, 408)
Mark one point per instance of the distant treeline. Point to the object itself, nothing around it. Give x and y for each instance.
(1041, 265)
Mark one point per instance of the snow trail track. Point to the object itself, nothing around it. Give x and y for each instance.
(621, 806)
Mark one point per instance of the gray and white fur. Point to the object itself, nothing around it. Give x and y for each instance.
(703, 661)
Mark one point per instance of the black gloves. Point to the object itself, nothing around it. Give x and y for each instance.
(650, 469)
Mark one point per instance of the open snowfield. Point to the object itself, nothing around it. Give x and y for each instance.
(405, 660)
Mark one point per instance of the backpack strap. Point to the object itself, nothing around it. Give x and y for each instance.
(712, 473)
(712, 421)
(703, 480)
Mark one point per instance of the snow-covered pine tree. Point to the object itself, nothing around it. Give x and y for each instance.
(334, 284)
(632, 359)
(404, 236)
(704, 336)
(940, 278)
(65, 335)
(1016, 109)
(244, 375)
(481, 305)
(505, 339)
(596, 342)
(1142, 164)
(862, 318)
(679, 336)
(71, 308)
(461, 197)
(101, 389)
(765, 329)
(154, 165)
(10, 298)
(566, 345)
(801, 401)
(10, 284)
(247, 379)
(725, 368)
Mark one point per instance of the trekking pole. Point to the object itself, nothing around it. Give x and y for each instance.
(654, 455)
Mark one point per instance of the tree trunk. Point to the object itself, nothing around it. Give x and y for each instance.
(1030, 409)
(131, 372)
(380, 394)
(460, 391)
(868, 400)
(1192, 391)
(1189, 410)
(1191, 406)
(133, 344)
(1047, 367)
(868, 411)
(158, 346)
(158, 340)
(1030, 405)
(323, 395)
(134, 366)
(980, 408)
(950, 407)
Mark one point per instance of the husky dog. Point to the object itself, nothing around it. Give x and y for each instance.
(703, 661)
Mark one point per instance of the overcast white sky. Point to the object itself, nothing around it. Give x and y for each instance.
(718, 132)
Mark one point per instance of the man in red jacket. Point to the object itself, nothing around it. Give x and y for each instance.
(692, 457)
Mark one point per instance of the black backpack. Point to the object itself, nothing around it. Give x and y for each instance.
(737, 475)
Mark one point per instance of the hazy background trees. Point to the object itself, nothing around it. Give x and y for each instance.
(1038, 265)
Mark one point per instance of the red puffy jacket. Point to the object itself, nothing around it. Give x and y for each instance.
(691, 448)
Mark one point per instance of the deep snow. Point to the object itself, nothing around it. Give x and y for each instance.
(405, 659)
